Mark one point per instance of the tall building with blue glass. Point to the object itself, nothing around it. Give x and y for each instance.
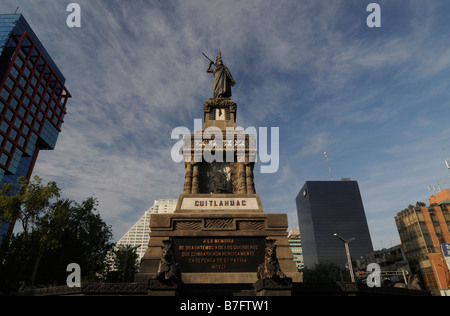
(32, 101)
(326, 208)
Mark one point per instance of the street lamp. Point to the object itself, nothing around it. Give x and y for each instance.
(126, 259)
(350, 266)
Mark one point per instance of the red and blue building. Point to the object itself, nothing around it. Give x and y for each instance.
(33, 101)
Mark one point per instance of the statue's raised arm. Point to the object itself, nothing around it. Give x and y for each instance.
(223, 81)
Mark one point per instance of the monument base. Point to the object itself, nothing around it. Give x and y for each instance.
(274, 287)
(158, 287)
(218, 246)
(208, 290)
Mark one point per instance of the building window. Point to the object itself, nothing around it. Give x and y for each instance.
(4, 127)
(4, 159)
(8, 147)
(37, 126)
(5, 94)
(26, 129)
(30, 91)
(18, 92)
(34, 81)
(26, 101)
(22, 111)
(18, 123)
(23, 82)
(19, 62)
(14, 103)
(37, 98)
(9, 115)
(13, 134)
(14, 72)
(27, 72)
(9, 83)
(21, 141)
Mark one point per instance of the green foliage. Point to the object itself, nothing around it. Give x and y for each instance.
(26, 200)
(118, 262)
(56, 232)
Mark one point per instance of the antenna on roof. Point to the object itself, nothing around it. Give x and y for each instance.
(17, 9)
(329, 167)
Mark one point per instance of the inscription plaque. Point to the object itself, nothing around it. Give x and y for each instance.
(219, 254)
(231, 203)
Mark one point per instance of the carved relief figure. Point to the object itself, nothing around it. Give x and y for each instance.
(219, 177)
(168, 268)
(271, 267)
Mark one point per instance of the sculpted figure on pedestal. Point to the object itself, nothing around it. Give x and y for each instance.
(223, 81)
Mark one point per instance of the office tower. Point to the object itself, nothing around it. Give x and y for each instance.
(295, 244)
(139, 234)
(326, 208)
(424, 231)
(442, 197)
(32, 101)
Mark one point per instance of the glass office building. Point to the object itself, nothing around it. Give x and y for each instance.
(328, 207)
(32, 101)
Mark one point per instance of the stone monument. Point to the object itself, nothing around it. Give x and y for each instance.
(219, 237)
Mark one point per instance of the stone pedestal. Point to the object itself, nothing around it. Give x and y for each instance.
(216, 242)
(158, 287)
(274, 287)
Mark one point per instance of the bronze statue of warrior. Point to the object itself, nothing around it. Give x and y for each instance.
(223, 81)
(270, 268)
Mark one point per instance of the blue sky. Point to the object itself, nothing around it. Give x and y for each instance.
(376, 99)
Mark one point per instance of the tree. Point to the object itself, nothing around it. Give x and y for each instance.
(26, 200)
(74, 233)
(115, 266)
(56, 232)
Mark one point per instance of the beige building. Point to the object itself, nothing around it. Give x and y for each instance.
(295, 244)
(139, 234)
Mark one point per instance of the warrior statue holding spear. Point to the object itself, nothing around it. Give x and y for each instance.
(223, 81)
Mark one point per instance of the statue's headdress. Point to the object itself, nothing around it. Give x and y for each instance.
(219, 57)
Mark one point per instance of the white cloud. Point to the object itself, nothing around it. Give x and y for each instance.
(312, 68)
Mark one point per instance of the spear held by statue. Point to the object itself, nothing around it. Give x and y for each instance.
(209, 59)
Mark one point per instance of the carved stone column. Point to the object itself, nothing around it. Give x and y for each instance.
(195, 173)
(241, 178)
(249, 179)
(188, 179)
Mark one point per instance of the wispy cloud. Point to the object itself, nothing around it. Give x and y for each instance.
(312, 68)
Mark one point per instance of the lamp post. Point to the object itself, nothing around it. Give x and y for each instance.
(126, 259)
(350, 266)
